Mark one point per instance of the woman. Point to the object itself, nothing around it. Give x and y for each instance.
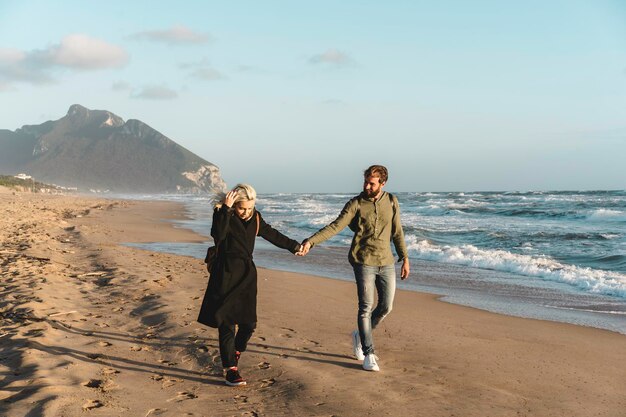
(230, 298)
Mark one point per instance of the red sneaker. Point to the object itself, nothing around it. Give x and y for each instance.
(233, 379)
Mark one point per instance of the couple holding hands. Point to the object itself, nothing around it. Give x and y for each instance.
(229, 303)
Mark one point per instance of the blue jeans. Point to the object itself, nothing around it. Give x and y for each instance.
(381, 279)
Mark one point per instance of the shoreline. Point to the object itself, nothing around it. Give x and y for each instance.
(495, 290)
(95, 326)
(512, 300)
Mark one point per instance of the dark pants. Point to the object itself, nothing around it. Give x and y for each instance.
(231, 342)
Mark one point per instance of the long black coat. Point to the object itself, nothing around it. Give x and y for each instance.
(230, 297)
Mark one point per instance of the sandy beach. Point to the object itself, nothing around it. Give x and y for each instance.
(89, 327)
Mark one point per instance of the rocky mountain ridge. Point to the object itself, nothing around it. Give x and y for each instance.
(96, 149)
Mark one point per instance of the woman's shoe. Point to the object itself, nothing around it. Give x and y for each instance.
(233, 379)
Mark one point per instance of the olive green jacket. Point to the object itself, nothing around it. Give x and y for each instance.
(375, 225)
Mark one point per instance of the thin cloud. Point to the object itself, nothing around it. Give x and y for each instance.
(177, 35)
(121, 86)
(332, 57)
(199, 64)
(155, 92)
(4, 87)
(207, 74)
(82, 52)
(249, 69)
(76, 52)
(10, 56)
(19, 66)
(202, 70)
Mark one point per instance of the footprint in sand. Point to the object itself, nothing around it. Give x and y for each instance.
(287, 335)
(156, 412)
(91, 404)
(182, 396)
(93, 383)
(34, 333)
(109, 371)
(135, 348)
(170, 382)
(267, 382)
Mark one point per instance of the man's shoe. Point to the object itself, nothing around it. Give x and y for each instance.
(356, 346)
(369, 363)
(233, 379)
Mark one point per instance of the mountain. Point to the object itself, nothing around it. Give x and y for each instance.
(95, 149)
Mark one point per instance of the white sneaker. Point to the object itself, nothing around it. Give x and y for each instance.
(356, 346)
(369, 363)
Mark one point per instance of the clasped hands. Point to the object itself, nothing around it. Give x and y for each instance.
(305, 247)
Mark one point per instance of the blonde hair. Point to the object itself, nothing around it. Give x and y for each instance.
(245, 192)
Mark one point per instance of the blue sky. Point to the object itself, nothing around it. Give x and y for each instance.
(302, 96)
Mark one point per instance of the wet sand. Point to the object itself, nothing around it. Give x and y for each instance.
(90, 327)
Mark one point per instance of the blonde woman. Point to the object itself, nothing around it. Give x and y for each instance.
(230, 300)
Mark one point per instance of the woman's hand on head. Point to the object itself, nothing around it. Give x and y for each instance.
(229, 200)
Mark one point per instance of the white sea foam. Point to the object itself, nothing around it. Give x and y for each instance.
(608, 215)
(609, 236)
(467, 205)
(431, 210)
(618, 312)
(587, 279)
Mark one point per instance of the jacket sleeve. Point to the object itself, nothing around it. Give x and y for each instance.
(276, 238)
(345, 217)
(397, 234)
(221, 223)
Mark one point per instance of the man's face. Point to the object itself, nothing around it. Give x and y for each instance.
(244, 209)
(372, 186)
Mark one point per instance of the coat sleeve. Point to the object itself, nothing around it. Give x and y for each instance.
(276, 238)
(221, 223)
(340, 223)
(397, 234)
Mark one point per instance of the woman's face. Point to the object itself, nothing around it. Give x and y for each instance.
(244, 209)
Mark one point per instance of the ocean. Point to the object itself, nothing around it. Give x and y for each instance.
(547, 255)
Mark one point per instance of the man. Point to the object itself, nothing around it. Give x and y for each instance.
(374, 217)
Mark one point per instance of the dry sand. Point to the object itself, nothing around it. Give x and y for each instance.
(92, 328)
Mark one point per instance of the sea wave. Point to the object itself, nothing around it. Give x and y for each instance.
(608, 215)
(586, 279)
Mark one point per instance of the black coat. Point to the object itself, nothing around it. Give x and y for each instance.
(230, 297)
